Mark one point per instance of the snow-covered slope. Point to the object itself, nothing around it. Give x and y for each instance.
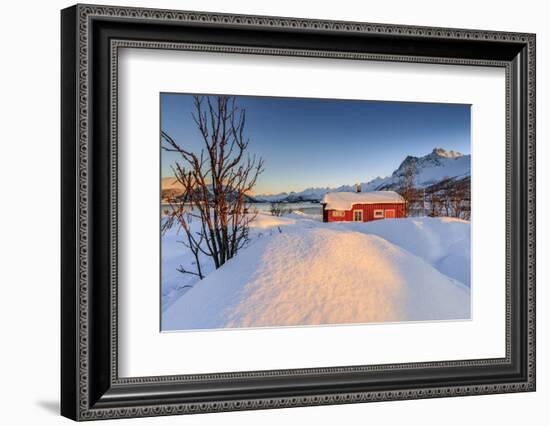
(429, 169)
(443, 242)
(299, 271)
(434, 167)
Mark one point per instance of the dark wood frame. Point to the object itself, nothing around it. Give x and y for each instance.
(90, 386)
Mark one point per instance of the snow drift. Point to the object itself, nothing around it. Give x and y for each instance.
(299, 271)
(443, 242)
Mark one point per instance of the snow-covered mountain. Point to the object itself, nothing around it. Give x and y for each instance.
(434, 167)
(428, 170)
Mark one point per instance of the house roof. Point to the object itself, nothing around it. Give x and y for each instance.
(346, 200)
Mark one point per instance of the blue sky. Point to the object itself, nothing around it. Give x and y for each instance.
(326, 142)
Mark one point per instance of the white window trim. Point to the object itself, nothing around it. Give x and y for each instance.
(338, 213)
(379, 214)
(353, 215)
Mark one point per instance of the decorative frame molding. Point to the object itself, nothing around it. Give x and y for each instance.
(91, 388)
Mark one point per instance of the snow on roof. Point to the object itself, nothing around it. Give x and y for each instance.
(346, 200)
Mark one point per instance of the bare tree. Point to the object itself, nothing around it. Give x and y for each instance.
(447, 195)
(406, 188)
(213, 210)
(459, 199)
(435, 203)
(179, 215)
(447, 200)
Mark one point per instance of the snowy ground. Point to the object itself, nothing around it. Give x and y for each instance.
(300, 271)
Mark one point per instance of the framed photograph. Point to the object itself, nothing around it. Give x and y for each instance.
(265, 212)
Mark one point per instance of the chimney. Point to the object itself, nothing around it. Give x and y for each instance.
(357, 187)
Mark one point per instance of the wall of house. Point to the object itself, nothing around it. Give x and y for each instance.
(368, 212)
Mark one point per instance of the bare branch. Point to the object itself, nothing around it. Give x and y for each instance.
(215, 182)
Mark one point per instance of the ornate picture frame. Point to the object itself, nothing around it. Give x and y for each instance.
(91, 37)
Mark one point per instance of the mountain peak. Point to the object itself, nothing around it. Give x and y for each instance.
(429, 169)
(440, 152)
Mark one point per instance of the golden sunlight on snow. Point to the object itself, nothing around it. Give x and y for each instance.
(299, 271)
(332, 278)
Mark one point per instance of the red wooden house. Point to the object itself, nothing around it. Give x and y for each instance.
(362, 206)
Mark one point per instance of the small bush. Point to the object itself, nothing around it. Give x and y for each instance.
(276, 209)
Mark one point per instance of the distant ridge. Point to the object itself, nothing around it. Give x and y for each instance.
(430, 169)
